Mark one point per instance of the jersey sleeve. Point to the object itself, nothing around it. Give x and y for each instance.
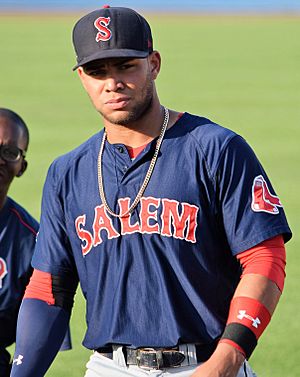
(53, 252)
(249, 208)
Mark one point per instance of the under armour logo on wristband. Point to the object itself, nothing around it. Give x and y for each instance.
(255, 321)
(18, 360)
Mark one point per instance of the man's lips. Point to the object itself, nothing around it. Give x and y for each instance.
(117, 103)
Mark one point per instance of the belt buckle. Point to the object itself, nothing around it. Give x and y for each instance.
(156, 362)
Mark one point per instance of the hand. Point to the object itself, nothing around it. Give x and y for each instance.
(224, 362)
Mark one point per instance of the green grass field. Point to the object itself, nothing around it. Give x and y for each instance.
(242, 72)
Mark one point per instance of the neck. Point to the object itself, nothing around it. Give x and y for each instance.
(2, 200)
(142, 131)
(137, 133)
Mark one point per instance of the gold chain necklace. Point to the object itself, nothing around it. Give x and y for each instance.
(147, 177)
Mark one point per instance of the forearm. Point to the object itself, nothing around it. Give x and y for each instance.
(257, 294)
(251, 309)
(227, 359)
(40, 332)
(259, 288)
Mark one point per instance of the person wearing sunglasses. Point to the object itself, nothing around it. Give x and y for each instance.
(18, 230)
(11, 153)
(17, 227)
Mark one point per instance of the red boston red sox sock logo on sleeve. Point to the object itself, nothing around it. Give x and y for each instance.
(3, 270)
(262, 199)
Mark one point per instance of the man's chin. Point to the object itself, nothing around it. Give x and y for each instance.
(121, 117)
(129, 114)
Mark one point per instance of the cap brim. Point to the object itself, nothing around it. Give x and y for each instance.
(106, 54)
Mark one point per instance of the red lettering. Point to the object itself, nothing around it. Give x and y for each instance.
(84, 235)
(104, 32)
(178, 220)
(146, 215)
(126, 227)
(103, 222)
(184, 225)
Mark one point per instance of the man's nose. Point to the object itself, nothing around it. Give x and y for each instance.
(114, 83)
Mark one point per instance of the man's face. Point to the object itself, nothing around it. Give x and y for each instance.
(121, 89)
(10, 134)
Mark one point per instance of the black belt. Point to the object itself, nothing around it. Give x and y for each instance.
(157, 358)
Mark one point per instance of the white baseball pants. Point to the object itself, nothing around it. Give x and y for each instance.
(101, 366)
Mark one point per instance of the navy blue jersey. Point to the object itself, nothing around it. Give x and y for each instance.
(18, 231)
(165, 274)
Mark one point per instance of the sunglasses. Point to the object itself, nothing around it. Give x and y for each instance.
(10, 153)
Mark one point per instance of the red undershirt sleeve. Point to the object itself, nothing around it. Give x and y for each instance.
(267, 259)
(52, 289)
(40, 287)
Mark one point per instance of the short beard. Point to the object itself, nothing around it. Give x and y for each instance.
(140, 109)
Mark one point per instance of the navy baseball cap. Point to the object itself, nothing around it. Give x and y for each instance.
(111, 32)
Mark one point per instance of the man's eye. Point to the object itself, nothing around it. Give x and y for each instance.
(96, 73)
(123, 67)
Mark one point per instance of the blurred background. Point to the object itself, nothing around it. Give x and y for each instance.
(235, 62)
(158, 5)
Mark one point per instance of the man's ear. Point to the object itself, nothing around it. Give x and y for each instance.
(155, 63)
(23, 168)
(79, 71)
(81, 75)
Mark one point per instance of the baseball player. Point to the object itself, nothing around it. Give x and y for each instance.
(166, 219)
(18, 231)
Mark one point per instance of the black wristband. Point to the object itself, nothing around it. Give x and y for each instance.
(242, 336)
(64, 289)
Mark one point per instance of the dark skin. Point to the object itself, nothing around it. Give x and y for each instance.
(11, 133)
(123, 92)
